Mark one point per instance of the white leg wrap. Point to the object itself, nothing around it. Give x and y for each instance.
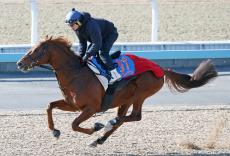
(109, 125)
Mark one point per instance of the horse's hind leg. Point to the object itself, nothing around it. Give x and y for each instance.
(62, 105)
(136, 113)
(122, 110)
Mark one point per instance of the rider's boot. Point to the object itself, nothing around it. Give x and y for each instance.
(115, 76)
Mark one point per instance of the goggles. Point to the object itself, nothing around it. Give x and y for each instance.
(71, 23)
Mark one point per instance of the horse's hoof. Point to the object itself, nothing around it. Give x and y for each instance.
(56, 133)
(101, 140)
(93, 144)
(98, 126)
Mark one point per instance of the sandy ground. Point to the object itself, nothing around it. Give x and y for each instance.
(162, 131)
(179, 20)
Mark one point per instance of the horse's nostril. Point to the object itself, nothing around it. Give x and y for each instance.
(19, 64)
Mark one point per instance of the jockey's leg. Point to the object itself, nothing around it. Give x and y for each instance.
(106, 58)
(107, 44)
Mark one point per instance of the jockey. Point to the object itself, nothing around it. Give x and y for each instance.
(100, 33)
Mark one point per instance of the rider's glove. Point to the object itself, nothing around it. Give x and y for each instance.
(86, 57)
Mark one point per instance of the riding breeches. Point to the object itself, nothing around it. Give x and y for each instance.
(105, 49)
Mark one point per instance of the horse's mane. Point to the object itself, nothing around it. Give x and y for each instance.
(61, 41)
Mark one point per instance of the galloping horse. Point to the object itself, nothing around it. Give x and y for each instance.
(83, 92)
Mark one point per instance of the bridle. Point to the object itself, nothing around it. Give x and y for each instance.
(41, 53)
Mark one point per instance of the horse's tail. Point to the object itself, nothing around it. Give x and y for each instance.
(183, 82)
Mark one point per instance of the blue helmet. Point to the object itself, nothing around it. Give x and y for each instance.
(73, 17)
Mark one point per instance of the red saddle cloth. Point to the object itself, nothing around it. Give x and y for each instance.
(143, 65)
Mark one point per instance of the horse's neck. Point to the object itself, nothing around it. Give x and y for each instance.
(64, 62)
(67, 69)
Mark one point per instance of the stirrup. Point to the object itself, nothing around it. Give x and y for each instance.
(115, 76)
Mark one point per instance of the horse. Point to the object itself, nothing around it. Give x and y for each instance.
(83, 92)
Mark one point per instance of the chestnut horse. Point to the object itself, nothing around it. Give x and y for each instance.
(83, 92)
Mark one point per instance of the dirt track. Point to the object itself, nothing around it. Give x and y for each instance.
(179, 20)
(162, 131)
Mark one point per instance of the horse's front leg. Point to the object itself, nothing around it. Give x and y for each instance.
(62, 105)
(86, 114)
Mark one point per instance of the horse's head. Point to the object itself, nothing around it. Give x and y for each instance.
(37, 55)
(42, 53)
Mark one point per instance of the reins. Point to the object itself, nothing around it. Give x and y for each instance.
(47, 67)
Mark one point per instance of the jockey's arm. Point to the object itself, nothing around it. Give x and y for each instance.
(82, 46)
(96, 39)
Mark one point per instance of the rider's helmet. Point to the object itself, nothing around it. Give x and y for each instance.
(73, 16)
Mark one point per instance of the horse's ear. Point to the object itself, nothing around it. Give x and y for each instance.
(46, 37)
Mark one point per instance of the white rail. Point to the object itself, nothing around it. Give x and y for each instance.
(154, 21)
(34, 22)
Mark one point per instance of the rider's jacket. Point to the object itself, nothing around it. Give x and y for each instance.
(95, 31)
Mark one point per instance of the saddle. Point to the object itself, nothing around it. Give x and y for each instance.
(99, 65)
(125, 67)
